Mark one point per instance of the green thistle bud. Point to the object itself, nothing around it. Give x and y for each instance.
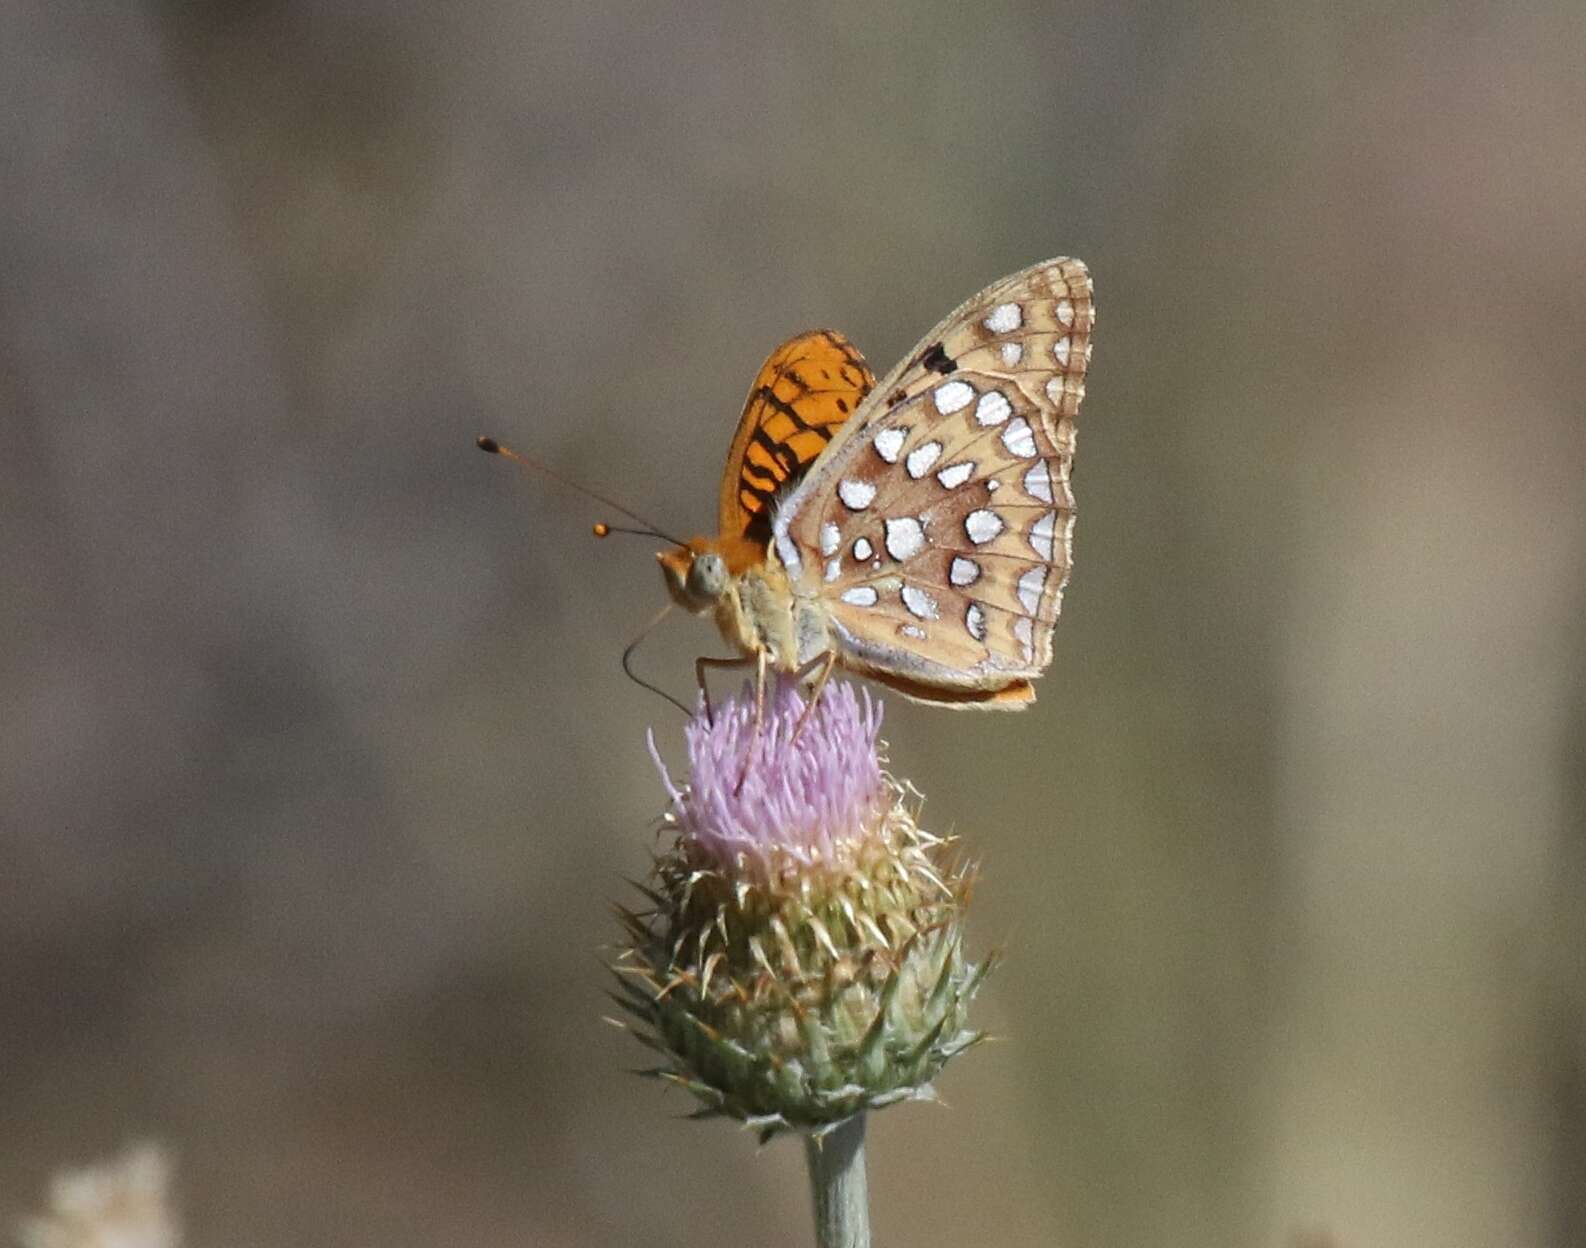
(802, 957)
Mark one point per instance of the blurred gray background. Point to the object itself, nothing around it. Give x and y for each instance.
(318, 772)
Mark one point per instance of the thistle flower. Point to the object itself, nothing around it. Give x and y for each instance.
(802, 957)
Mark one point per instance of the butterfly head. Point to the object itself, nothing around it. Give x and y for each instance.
(699, 573)
(696, 575)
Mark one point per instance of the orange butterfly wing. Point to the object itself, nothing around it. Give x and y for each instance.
(804, 393)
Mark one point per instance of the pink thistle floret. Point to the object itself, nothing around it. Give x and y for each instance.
(764, 801)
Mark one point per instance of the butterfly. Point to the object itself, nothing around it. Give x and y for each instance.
(917, 531)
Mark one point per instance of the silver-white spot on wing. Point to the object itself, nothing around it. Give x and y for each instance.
(1060, 350)
(1019, 438)
(1024, 631)
(953, 396)
(921, 458)
(860, 596)
(975, 622)
(1031, 586)
(863, 549)
(1065, 311)
(982, 525)
(963, 571)
(1004, 318)
(919, 603)
(1059, 386)
(992, 409)
(1041, 535)
(889, 442)
(856, 495)
(954, 475)
(834, 568)
(830, 537)
(912, 630)
(1012, 353)
(905, 537)
(1038, 482)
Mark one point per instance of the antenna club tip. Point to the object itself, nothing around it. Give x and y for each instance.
(602, 529)
(488, 445)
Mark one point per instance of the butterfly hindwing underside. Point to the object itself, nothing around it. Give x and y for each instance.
(936, 524)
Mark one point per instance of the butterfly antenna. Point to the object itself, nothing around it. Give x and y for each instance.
(602, 529)
(627, 665)
(491, 447)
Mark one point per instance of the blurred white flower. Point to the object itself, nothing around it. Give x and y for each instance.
(120, 1203)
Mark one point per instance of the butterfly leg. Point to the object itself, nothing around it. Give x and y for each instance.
(825, 662)
(759, 693)
(700, 667)
(759, 716)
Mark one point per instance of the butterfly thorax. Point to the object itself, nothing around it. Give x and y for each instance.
(746, 589)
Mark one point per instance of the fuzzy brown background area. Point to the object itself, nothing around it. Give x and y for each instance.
(317, 770)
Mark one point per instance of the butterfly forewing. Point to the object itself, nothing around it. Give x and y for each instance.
(936, 527)
(807, 389)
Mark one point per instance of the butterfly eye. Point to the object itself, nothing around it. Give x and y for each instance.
(707, 576)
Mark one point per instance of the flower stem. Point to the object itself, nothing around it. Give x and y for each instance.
(837, 1182)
